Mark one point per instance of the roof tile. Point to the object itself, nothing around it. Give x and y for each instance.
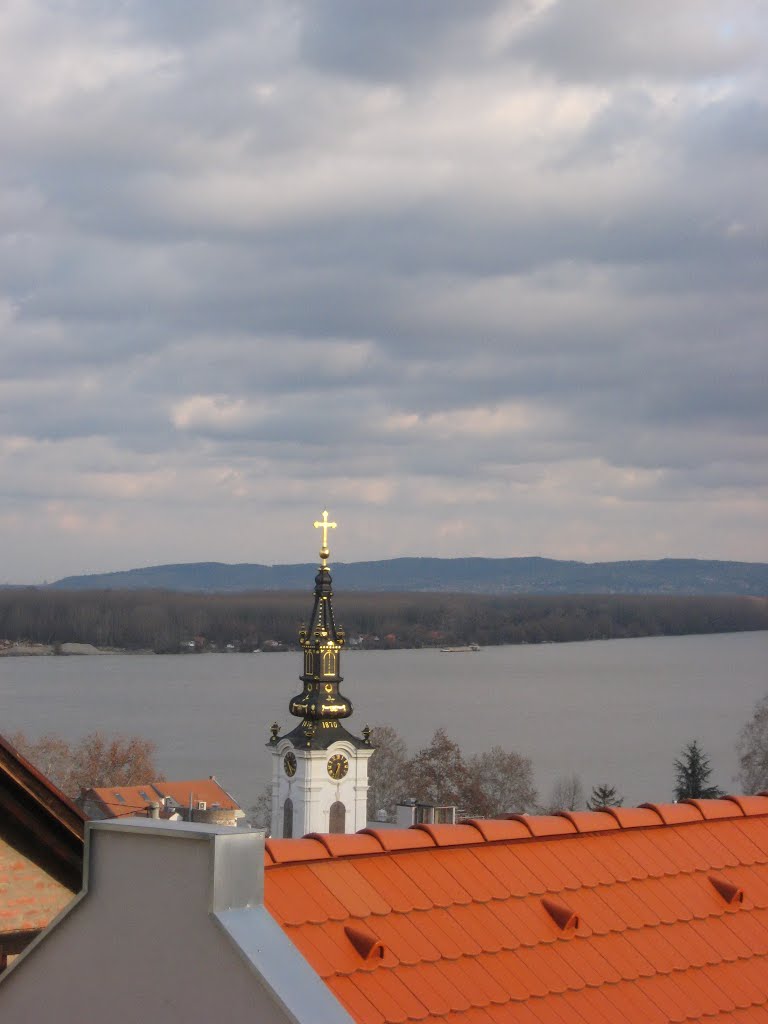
(298, 896)
(359, 1005)
(466, 938)
(400, 838)
(525, 921)
(675, 814)
(485, 884)
(751, 804)
(593, 862)
(634, 817)
(444, 931)
(284, 851)
(711, 809)
(408, 942)
(438, 885)
(352, 888)
(509, 865)
(545, 824)
(753, 848)
(641, 845)
(591, 821)
(352, 845)
(392, 996)
(654, 946)
(427, 986)
(495, 829)
(742, 848)
(394, 884)
(482, 926)
(617, 861)
(452, 835)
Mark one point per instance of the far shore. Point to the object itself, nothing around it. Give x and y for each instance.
(23, 650)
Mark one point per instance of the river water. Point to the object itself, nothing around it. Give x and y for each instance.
(615, 711)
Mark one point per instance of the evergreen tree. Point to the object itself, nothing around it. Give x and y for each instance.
(604, 796)
(693, 772)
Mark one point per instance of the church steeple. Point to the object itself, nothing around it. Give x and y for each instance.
(321, 705)
(320, 771)
(322, 641)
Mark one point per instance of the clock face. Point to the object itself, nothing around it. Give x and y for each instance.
(289, 763)
(338, 766)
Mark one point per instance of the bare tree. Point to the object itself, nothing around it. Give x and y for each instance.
(386, 771)
(95, 760)
(50, 754)
(260, 814)
(753, 750)
(567, 794)
(498, 781)
(436, 774)
(488, 783)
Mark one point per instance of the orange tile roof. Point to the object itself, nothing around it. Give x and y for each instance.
(124, 801)
(644, 915)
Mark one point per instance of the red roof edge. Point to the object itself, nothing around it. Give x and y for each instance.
(591, 821)
(711, 809)
(676, 814)
(453, 835)
(31, 779)
(751, 804)
(510, 827)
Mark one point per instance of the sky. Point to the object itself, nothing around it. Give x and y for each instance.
(481, 278)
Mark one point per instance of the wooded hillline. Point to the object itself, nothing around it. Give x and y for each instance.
(164, 621)
(451, 575)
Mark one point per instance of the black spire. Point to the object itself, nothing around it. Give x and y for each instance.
(321, 705)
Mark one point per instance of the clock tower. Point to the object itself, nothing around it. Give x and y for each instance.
(319, 769)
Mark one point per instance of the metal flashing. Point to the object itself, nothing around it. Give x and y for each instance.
(161, 826)
(237, 870)
(280, 967)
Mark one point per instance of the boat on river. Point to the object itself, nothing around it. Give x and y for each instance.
(460, 650)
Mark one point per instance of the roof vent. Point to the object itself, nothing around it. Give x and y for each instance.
(563, 916)
(731, 893)
(366, 944)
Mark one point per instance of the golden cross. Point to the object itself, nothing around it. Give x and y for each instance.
(325, 526)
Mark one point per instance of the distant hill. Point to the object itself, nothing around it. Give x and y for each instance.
(458, 575)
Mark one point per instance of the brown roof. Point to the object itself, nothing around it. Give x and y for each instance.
(123, 801)
(644, 915)
(39, 820)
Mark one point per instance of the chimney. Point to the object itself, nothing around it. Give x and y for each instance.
(153, 809)
(405, 813)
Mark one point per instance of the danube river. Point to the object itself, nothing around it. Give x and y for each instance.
(615, 711)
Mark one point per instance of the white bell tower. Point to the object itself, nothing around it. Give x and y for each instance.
(319, 769)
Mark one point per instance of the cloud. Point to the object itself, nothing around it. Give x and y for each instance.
(455, 265)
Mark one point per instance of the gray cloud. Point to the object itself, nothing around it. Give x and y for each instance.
(456, 263)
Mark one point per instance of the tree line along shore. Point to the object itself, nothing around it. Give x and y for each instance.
(171, 622)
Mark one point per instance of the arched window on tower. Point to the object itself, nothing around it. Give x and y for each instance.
(329, 663)
(288, 819)
(337, 818)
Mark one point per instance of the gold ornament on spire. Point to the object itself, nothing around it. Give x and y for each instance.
(325, 526)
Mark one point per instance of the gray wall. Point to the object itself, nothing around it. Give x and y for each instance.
(142, 945)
